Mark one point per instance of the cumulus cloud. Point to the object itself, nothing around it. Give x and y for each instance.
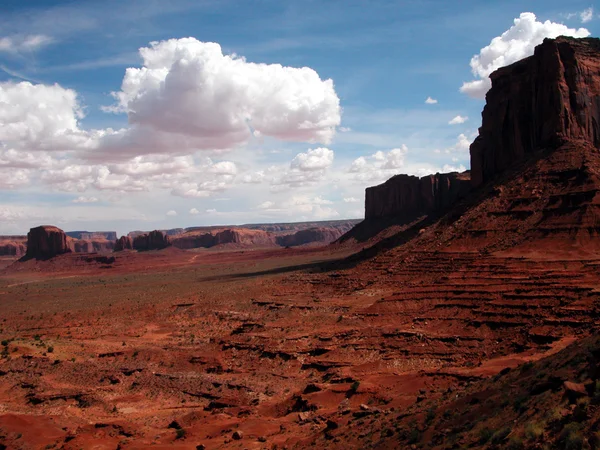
(83, 199)
(189, 95)
(40, 117)
(587, 15)
(514, 44)
(314, 159)
(458, 119)
(379, 165)
(24, 43)
(12, 179)
(304, 206)
(351, 200)
(430, 101)
(194, 212)
(171, 213)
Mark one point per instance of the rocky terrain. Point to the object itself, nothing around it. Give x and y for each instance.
(155, 240)
(469, 321)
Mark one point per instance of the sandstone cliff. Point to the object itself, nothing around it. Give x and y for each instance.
(13, 245)
(240, 237)
(155, 240)
(45, 242)
(123, 243)
(540, 102)
(409, 196)
(310, 236)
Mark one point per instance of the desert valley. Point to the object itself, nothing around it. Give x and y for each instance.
(462, 312)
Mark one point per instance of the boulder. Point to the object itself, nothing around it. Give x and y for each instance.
(45, 242)
(538, 103)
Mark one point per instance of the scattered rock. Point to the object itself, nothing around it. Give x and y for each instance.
(237, 435)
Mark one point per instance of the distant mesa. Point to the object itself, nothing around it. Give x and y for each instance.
(124, 243)
(155, 240)
(93, 235)
(413, 197)
(45, 242)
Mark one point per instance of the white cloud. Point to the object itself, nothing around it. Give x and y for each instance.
(514, 44)
(24, 43)
(189, 95)
(379, 165)
(314, 159)
(211, 211)
(40, 117)
(12, 179)
(587, 15)
(171, 213)
(430, 101)
(351, 200)
(224, 168)
(458, 119)
(266, 205)
(194, 212)
(83, 199)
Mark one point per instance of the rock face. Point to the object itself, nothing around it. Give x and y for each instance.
(13, 246)
(312, 235)
(409, 196)
(123, 243)
(538, 103)
(241, 237)
(155, 240)
(46, 241)
(90, 246)
(93, 235)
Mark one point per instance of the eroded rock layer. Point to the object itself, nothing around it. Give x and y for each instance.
(411, 196)
(537, 103)
(46, 241)
(155, 240)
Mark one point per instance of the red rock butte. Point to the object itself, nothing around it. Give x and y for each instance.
(46, 241)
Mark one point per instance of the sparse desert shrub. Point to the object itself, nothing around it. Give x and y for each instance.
(354, 387)
(414, 436)
(515, 443)
(534, 430)
(430, 414)
(520, 404)
(50, 349)
(485, 434)
(4, 342)
(500, 435)
(571, 437)
(180, 433)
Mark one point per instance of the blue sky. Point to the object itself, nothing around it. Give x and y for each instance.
(276, 145)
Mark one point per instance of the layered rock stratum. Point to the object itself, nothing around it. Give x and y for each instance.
(540, 102)
(155, 240)
(124, 243)
(46, 241)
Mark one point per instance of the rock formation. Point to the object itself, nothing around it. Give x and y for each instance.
(124, 243)
(89, 246)
(155, 240)
(538, 103)
(46, 241)
(93, 235)
(310, 236)
(409, 196)
(240, 237)
(13, 246)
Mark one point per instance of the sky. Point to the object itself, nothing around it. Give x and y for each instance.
(147, 114)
